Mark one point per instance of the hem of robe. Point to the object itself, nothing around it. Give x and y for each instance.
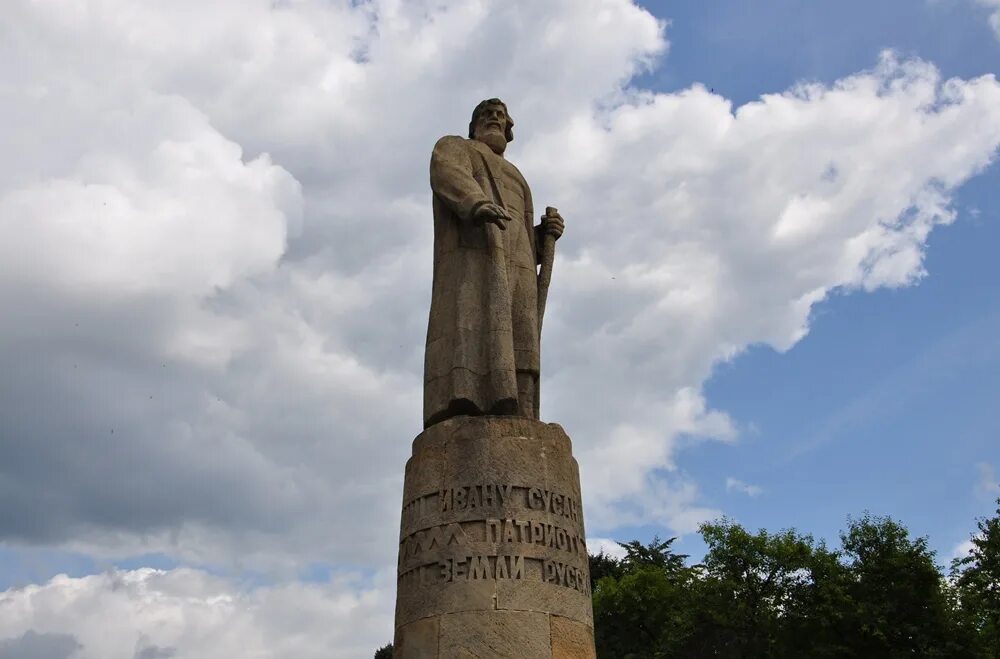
(495, 393)
(465, 407)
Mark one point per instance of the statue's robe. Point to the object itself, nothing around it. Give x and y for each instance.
(482, 353)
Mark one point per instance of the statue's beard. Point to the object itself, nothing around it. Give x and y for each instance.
(495, 140)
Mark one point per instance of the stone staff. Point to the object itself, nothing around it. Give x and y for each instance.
(545, 274)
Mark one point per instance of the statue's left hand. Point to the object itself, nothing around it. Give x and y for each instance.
(553, 225)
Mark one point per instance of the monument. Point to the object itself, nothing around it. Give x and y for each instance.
(492, 551)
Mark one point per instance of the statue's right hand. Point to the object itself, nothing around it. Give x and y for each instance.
(492, 213)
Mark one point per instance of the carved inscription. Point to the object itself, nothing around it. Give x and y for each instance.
(566, 575)
(487, 495)
(416, 509)
(435, 537)
(553, 502)
(472, 568)
(491, 495)
(540, 533)
(438, 551)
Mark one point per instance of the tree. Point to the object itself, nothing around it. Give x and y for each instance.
(816, 622)
(900, 603)
(977, 584)
(783, 595)
(643, 607)
(603, 565)
(656, 554)
(384, 652)
(756, 585)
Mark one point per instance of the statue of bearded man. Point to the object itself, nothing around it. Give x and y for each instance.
(482, 353)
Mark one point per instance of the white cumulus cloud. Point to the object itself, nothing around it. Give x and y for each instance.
(987, 482)
(606, 546)
(217, 237)
(189, 614)
(994, 18)
(961, 550)
(736, 485)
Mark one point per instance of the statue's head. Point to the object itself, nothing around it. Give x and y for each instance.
(492, 125)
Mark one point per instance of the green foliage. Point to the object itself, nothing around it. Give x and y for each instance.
(602, 565)
(758, 586)
(816, 622)
(976, 579)
(645, 614)
(384, 652)
(900, 605)
(643, 604)
(784, 595)
(657, 554)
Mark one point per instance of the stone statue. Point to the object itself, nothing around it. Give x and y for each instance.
(492, 555)
(482, 353)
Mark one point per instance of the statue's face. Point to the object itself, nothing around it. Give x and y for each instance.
(490, 122)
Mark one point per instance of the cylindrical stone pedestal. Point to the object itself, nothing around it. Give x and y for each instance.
(492, 552)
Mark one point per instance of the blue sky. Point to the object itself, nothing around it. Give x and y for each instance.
(889, 403)
(218, 256)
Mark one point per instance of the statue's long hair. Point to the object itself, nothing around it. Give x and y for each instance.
(508, 133)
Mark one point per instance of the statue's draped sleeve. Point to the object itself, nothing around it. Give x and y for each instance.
(452, 167)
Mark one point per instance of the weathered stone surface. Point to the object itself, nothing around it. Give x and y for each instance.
(570, 639)
(494, 525)
(417, 640)
(431, 469)
(496, 635)
(538, 596)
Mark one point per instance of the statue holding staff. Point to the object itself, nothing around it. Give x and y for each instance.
(488, 297)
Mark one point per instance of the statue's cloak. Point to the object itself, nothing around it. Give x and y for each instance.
(483, 328)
